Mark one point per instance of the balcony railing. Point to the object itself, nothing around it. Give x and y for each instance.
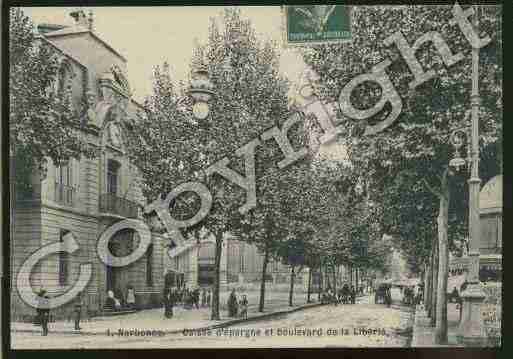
(110, 203)
(65, 194)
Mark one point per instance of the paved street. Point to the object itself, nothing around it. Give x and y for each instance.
(308, 328)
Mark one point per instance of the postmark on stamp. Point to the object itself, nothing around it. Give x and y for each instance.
(317, 24)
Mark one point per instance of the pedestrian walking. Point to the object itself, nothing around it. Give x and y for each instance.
(203, 298)
(43, 311)
(353, 295)
(188, 299)
(130, 297)
(169, 301)
(209, 295)
(232, 304)
(244, 307)
(78, 311)
(196, 297)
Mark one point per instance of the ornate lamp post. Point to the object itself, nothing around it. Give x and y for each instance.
(471, 325)
(201, 90)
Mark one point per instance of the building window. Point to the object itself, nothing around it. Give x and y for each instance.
(112, 176)
(149, 267)
(64, 259)
(65, 183)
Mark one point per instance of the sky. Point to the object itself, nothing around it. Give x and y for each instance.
(148, 36)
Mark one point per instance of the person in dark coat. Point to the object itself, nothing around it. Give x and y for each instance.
(209, 295)
(244, 307)
(232, 304)
(188, 299)
(77, 310)
(169, 302)
(353, 295)
(43, 311)
(454, 296)
(203, 298)
(196, 297)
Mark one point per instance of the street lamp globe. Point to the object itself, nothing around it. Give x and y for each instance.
(201, 90)
(457, 140)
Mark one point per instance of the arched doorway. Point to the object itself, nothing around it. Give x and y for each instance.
(119, 278)
(206, 264)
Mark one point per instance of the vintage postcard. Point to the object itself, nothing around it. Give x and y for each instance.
(189, 177)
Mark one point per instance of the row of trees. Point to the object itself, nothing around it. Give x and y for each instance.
(422, 201)
(306, 215)
(42, 122)
(309, 214)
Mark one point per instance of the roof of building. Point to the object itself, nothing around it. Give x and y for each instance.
(77, 29)
(490, 197)
(67, 54)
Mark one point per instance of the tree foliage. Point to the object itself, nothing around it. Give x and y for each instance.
(42, 122)
(405, 163)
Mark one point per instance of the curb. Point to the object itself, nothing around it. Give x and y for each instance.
(178, 331)
(206, 328)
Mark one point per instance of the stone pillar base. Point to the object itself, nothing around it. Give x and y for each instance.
(471, 329)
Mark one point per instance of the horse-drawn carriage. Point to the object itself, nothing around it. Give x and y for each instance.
(382, 294)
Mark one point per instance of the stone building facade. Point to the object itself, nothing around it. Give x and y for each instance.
(240, 267)
(78, 200)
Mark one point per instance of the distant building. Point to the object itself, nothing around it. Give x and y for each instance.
(241, 266)
(490, 248)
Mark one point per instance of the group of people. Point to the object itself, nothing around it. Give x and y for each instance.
(186, 297)
(116, 302)
(237, 307)
(344, 295)
(413, 295)
(43, 311)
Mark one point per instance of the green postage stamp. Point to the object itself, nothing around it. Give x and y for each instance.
(317, 24)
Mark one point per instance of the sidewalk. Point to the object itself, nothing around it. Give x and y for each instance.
(153, 319)
(424, 333)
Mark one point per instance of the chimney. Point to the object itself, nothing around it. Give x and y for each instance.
(80, 18)
(90, 20)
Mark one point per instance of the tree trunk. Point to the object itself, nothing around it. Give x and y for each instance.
(334, 280)
(291, 292)
(326, 275)
(434, 285)
(262, 284)
(320, 285)
(309, 289)
(217, 276)
(356, 280)
(426, 283)
(429, 283)
(443, 266)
